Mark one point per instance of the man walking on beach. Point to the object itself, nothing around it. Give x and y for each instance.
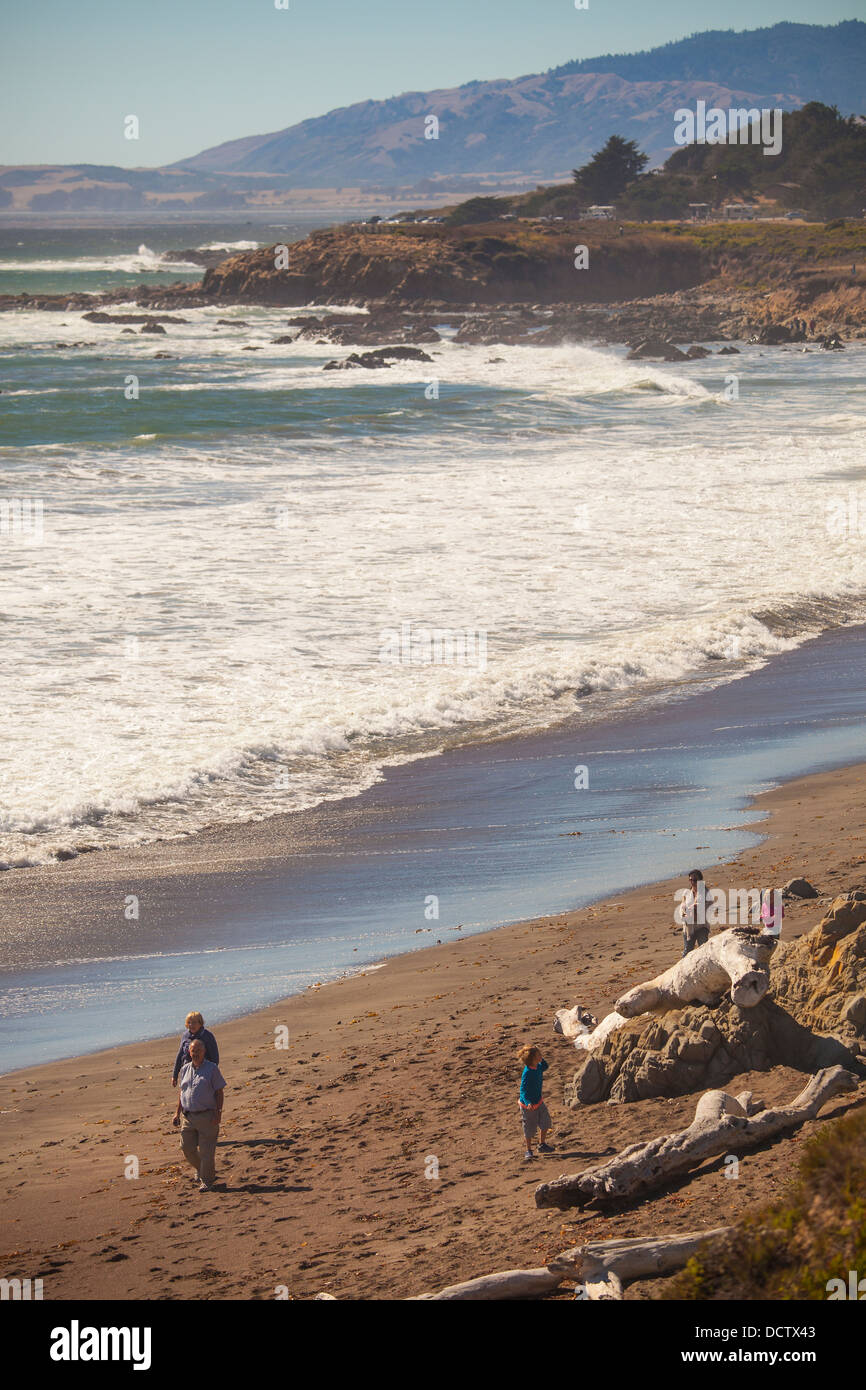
(200, 1100)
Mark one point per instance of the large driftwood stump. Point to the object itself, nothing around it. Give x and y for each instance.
(722, 1125)
(600, 1269)
(737, 960)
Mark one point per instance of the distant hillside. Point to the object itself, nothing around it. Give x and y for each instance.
(788, 57)
(542, 125)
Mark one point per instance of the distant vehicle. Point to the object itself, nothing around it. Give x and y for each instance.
(604, 211)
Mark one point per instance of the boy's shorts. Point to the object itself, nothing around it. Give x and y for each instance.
(535, 1119)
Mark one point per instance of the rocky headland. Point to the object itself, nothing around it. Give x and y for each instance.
(539, 284)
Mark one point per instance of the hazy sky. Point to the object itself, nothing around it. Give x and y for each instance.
(197, 72)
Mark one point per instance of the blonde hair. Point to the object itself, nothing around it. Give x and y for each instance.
(193, 1018)
(526, 1054)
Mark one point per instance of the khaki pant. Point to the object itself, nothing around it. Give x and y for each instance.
(198, 1139)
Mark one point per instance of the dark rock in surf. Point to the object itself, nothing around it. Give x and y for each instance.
(773, 335)
(377, 359)
(655, 350)
(97, 316)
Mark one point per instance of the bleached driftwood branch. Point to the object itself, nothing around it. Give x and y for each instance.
(737, 960)
(574, 1023)
(722, 1125)
(510, 1283)
(600, 1267)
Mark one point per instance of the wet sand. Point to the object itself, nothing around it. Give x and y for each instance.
(325, 1144)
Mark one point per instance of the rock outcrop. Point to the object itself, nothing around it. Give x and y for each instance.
(813, 1016)
(799, 888)
(464, 265)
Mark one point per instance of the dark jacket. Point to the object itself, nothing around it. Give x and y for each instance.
(211, 1051)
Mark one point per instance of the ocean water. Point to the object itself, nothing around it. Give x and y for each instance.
(220, 571)
(108, 253)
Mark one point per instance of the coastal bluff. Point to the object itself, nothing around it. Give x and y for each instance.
(679, 280)
(482, 265)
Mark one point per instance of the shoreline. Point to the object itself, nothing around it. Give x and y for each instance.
(332, 1134)
(243, 915)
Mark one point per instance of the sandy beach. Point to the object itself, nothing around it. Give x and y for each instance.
(329, 1138)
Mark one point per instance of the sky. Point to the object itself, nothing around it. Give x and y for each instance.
(198, 72)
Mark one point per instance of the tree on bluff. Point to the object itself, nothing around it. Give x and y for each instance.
(610, 170)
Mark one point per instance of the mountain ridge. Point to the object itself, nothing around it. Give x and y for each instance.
(543, 123)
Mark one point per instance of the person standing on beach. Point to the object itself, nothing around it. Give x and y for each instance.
(772, 912)
(194, 1029)
(692, 914)
(200, 1101)
(533, 1111)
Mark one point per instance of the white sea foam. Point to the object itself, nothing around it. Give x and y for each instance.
(229, 246)
(130, 263)
(198, 638)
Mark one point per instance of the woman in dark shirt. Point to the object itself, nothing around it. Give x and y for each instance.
(194, 1029)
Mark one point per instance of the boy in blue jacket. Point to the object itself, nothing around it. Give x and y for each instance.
(533, 1111)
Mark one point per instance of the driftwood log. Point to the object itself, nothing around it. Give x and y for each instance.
(603, 1266)
(735, 961)
(599, 1268)
(722, 1125)
(573, 1023)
